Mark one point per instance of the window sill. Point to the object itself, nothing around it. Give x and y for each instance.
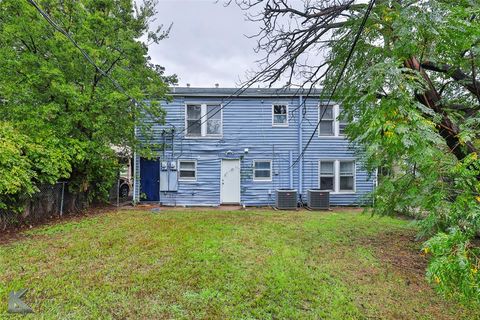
(332, 137)
(179, 180)
(279, 125)
(204, 137)
(262, 180)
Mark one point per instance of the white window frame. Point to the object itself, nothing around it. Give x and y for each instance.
(273, 115)
(180, 169)
(334, 174)
(262, 179)
(336, 179)
(203, 121)
(354, 176)
(336, 121)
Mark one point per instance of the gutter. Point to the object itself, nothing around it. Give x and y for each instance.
(300, 146)
(290, 172)
(135, 178)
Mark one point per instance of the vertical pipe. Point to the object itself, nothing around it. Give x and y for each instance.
(160, 159)
(61, 200)
(300, 145)
(118, 192)
(290, 169)
(134, 177)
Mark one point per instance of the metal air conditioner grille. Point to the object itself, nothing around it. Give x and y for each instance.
(318, 199)
(286, 199)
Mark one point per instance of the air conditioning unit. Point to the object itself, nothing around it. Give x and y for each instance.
(318, 199)
(286, 199)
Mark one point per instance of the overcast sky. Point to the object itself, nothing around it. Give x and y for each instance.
(206, 44)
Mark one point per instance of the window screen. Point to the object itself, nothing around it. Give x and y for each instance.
(326, 119)
(188, 170)
(280, 115)
(327, 175)
(347, 175)
(262, 170)
(194, 114)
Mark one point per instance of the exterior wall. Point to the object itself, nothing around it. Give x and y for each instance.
(247, 123)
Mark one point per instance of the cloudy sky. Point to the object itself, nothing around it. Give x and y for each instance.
(207, 43)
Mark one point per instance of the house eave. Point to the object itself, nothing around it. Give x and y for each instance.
(247, 93)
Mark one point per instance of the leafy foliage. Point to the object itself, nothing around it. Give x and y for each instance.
(425, 147)
(411, 94)
(60, 115)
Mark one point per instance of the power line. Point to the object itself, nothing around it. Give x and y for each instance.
(117, 85)
(342, 71)
(249, 83)
(236, 93)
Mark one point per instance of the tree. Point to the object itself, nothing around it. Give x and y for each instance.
(60, 115)
(411, 93)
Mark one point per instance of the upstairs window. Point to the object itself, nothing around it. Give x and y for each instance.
(194, 121)
(331, 124)
(327, 175)
(262, 170)
(214, 120)
(203, 120)
(187, 170)
(326, 119)
(280, 115)
(342, 123)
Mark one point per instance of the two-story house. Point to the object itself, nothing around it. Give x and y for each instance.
(222, 147)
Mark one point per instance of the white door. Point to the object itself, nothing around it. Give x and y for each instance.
(230, 180)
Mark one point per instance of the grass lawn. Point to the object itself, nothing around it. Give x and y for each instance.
(212, 264)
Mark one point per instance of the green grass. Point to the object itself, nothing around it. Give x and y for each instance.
(212, 264)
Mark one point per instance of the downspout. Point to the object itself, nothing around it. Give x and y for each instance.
(300, 146)
(135, 177)
(290, 171)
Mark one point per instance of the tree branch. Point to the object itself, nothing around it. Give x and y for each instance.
(456, 74)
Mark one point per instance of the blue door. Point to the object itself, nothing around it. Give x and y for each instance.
(149, 179)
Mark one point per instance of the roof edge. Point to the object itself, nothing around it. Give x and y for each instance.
(242, 92)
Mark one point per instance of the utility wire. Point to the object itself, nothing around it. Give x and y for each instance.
(249, 83)
(342, 71)
(236, 93)
(117, 85)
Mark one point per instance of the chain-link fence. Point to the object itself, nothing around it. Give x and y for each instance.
(49, 201)
(121, 193)
(57, 200)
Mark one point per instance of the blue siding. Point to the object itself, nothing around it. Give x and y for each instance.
(247, 123)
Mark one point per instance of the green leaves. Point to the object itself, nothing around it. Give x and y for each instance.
(398, 124)
(60, 116)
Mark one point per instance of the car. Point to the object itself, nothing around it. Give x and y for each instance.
(124, 187)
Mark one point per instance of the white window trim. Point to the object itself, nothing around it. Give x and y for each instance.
(262, 179)
(203, 121)
(179, 169)
(336, 179)
(334, 173)
(336, 122)
(354, 176)
(282, 125)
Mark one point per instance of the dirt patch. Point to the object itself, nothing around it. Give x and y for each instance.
(17, 233)
(400, 250)
(399, 253)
